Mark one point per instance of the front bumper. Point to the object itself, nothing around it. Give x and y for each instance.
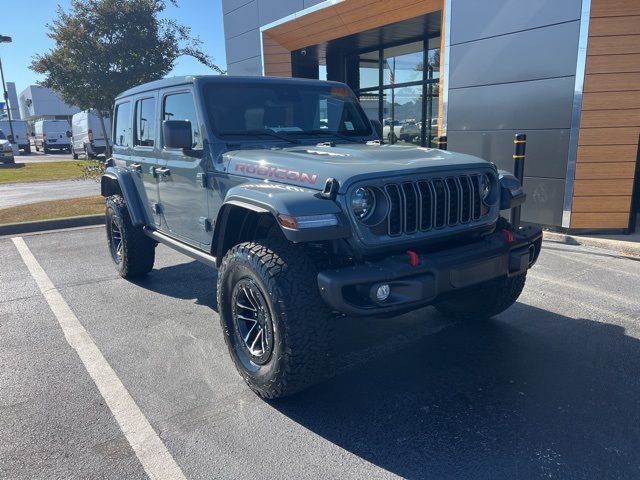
(6, 157)
(352, 290)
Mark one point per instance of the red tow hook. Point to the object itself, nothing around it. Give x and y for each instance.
(508, 235)
(414, 259)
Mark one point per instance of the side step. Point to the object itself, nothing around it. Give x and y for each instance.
(188, 250)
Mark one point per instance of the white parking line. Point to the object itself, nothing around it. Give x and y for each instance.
(148, 447)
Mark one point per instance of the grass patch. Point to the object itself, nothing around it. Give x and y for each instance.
(70, 207)
(36, 172)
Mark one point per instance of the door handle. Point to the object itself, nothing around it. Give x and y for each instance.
(164, 172)
(136, 167)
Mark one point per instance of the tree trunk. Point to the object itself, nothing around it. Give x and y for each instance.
(107, 145)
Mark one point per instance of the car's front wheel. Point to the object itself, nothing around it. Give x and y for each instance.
(275, 324)
(132, 252)
(485, 300)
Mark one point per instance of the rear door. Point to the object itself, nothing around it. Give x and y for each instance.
(182, 183)
(138, 158)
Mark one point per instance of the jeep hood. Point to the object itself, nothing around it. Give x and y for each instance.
(310, 166)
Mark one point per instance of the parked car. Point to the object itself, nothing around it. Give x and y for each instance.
(409, 131)
(52, 135)
(87, 137)
(305, 223)
(6, 151)
(20, 133)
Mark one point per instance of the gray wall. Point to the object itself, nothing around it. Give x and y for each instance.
(512, 69)
(242, 22)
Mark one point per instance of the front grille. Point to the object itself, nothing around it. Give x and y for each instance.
(422, 205)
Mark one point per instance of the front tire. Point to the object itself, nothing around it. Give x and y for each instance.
(132, 252)
(275, 324)
(74, 154)
(485, 300)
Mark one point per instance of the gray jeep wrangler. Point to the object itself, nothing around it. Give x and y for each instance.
(285, 188)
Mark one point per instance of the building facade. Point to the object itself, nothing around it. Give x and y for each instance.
(565, 73)
(40, 103)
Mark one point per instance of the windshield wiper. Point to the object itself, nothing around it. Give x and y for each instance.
(249, 133)
(322, 131)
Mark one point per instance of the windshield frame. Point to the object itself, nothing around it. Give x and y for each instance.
(234, 136)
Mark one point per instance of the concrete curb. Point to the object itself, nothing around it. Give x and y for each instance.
(630, 248)
(53, 224)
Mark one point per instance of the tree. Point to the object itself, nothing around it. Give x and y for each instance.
(103, 47)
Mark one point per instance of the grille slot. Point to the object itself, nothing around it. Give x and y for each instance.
(423, 205)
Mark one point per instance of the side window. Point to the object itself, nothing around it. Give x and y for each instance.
(145, 128)
(122, 125)
(180, 106)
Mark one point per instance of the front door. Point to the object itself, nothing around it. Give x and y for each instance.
(182, 181)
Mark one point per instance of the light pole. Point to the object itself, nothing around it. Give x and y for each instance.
(5, 39)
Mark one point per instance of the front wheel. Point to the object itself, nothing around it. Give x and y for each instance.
(485, 300)
(274, 322)
(132, 252)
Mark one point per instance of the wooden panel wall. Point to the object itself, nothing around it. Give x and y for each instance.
(277, 59)
(610, 119)
(346, 18)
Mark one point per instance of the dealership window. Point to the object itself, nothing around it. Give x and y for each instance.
(399, 85)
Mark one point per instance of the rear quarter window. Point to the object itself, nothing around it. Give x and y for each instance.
(122, 125)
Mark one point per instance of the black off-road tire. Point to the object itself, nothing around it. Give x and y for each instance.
(286, 277)
(485, 300)
(137, 252)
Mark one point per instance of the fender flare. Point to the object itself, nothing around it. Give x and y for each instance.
(120, 181)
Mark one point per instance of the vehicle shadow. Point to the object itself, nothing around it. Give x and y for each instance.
(185, 281)
(529, 394)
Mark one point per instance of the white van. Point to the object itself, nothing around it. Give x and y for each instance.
(87, 136)
(20, 133)
(52, 135)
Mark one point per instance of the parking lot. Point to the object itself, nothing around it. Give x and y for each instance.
(548, 389)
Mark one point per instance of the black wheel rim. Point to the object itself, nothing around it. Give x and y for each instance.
(116, 240)
(252, 322)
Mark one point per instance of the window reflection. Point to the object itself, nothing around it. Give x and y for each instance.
(410, 91)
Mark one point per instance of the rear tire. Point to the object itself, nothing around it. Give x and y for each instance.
(74, 154)
(275, 282)
(485, 300)
(132, 252)
(27, 150)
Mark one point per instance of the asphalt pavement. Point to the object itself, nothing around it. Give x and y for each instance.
(14, 194)
(548, 389)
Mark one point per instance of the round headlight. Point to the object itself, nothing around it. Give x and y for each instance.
(485, 186)
(363, 201)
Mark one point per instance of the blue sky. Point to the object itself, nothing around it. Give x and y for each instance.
(26, 21)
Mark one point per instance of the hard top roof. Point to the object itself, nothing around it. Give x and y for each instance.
(187, 79)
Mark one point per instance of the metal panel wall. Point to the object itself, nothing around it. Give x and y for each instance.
(242, 22)
(512, 69)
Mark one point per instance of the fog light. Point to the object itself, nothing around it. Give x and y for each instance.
(383, 292)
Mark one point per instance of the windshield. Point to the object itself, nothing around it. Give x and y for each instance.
(289, 110)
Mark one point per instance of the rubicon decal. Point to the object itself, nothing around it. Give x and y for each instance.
(279, 173)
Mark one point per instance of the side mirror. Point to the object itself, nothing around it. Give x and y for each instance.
(69, 134)
(377, 127)
(177, 134)
(10, 138)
